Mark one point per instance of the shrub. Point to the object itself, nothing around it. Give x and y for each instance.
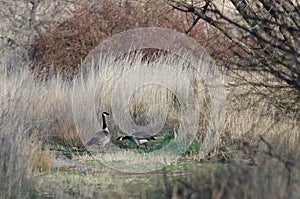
(63, 47)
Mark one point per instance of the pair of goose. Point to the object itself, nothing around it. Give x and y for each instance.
(104, 136)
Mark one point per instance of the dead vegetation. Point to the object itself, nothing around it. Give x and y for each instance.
(258, 137)
(259, 146)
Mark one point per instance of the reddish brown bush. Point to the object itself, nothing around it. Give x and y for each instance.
(67, 43)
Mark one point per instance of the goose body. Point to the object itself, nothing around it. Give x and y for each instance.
(101, 137)
(138, 138)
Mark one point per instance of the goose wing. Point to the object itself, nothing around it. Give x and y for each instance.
(142, 135)
(100, 138)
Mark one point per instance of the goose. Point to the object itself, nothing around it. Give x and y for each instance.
(138, 138)
(101, 137)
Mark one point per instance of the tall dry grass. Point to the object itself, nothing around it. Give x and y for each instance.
(26, 107)
(255, 131)
(126, 88)
(19, 141)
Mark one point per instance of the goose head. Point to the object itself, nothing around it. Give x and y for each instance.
(104, 114)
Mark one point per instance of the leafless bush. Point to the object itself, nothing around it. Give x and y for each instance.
(265, 35)
(24, 19)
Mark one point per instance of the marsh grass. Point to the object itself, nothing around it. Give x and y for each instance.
(112, 183)
(122, 87)
(19, 141)
(44, 160)
(260, 142)
(35, 113)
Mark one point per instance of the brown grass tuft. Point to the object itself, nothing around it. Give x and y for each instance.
(44, 161)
